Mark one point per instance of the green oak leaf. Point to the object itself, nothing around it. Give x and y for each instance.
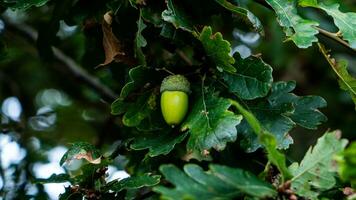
(245, 14)
(175, 15)
(220, 182)
(140, 41)
(24, 4)
(316, 172)
(210, 124)
(140, 109)
(346, 22)
(133, 182)
(217, 49)
(143, 103)
(139, 77)
(297, 29)
(252, 79)
(54, 178)
(279, 113)
(158, 144)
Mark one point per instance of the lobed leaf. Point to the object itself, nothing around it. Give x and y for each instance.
(220, 182)
(346, 22)
(252, 79)
(210, 124)
(217, 49)
(297, 29)
(279, 113)
(133, 182)
(54, 178)
(158, 144)
(315, 172)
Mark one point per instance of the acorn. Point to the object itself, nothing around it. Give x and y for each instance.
(174, 99)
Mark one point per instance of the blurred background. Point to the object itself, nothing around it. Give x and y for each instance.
(45, 106)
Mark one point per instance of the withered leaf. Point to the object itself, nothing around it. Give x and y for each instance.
(112, 46)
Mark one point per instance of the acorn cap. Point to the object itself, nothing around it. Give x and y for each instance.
(175, 83)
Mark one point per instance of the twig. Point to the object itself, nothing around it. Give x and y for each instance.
(184, 57)
(333, 36)
(75, 69)
(166, 70)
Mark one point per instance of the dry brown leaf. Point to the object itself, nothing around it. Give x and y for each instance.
(87, 156)
(112, 46)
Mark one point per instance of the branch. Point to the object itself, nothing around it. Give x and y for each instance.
(323, 32)
(76, 70)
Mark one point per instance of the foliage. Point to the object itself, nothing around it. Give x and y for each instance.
(244, 111)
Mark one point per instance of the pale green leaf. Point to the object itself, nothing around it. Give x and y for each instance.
(252, 79)
(346, 22)
(217, 49)
(220, 182)
(210, 124)
(300, 30)
(316, 172)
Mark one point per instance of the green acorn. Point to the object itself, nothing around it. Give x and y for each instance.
(174, 99)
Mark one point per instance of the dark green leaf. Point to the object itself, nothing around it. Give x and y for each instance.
(140, 41)
(54, 178)
(217, 49)
(158, 143)
(210, 124)
(220, 182)
(281, 111)
(140, 109)
(145, 180)
(300, 30)
(248, 16)
(252, 79)
(175, 15)
(316, 172)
